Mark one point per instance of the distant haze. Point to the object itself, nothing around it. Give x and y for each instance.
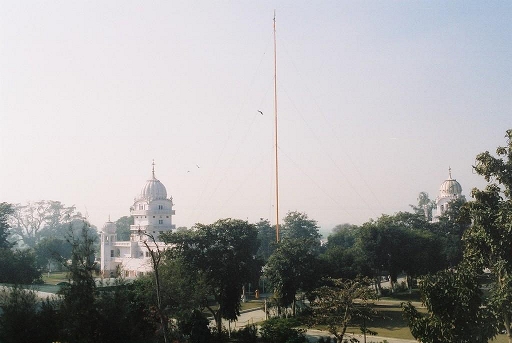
(376, 100)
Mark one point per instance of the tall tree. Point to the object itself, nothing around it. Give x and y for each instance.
(267, 237)
(298, 225)
(18, 266)
(78, 310)
(5, 210)
(52, 251)
(488, 242)
(390, 244)
(456, 310)
(292, 267)
(18, 323)
(424, 207)
(157, 254)
(450, 228)
(340, 254)
(123, 228)
(35, 220)
(225, 254)
(340, 303)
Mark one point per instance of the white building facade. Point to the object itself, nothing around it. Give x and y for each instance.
(152, 212)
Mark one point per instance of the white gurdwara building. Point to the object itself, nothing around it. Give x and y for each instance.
(449, 190)
(152, 214)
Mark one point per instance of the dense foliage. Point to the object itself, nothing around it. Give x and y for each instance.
(223, 254)
(340, 303)
(456, 309)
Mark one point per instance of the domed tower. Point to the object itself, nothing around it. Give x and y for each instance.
(107, 248)
(449, 190)
(152, 211)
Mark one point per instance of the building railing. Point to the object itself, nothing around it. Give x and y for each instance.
(152, 212)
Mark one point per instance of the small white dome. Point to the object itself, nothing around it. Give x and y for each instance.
(109, 227)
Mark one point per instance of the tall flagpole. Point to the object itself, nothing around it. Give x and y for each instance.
(275, 128)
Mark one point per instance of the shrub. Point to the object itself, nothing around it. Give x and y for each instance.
(282, 330)
(248, 334)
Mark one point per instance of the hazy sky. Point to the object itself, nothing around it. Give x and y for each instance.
(376, 99)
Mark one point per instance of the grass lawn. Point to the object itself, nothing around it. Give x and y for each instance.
(389, 321)
(251, 304)
(55, 278)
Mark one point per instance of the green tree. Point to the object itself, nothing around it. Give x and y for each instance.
(450, 228)
(391, 244)
(79, 314)
(157, 255)
(123, 228)
(339, 255)
(267, 238)
(456, 310)
(282, 330)
(379, 249)
(50, 251)
(182, 290)
(343, 228)
(5, 211)
(24, 318)
(123, 316)
(18, 267)
(424, 254)
(45, 218)
(424, 207)
(488, 242)
(340, 303)
(292, 267)
(225, 254)
(195, 327)
(298, 225)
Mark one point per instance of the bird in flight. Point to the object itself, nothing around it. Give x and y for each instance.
(260, 112)
(197, 166)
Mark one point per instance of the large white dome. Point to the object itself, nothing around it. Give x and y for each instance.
(153, 190)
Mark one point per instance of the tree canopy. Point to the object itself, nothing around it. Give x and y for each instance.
(298, 225)
(488, 242)
(340, 303)
(5, 210)
(224, 253)
(45, 218)
(292, 267)
(456, 309)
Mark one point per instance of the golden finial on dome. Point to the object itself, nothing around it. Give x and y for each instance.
(153, 168)
(450, 172)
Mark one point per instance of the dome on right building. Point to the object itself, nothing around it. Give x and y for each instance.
(450, 187)
(450, 190)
